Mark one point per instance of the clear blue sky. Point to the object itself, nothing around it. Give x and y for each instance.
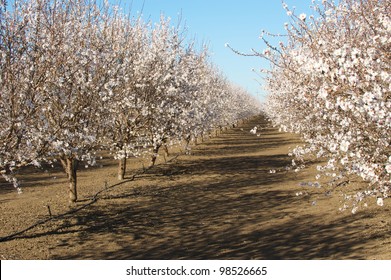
(216, 22)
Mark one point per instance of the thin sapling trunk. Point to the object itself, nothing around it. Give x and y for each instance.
(166, 151)
(154, 155)
(122, 167)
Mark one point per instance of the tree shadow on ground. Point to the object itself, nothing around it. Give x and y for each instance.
(227, 206)
(239, 141)
(188, 223)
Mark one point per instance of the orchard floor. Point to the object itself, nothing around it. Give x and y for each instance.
(220, 202)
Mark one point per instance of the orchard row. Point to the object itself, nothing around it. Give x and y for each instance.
(77, 78)
(331, 83)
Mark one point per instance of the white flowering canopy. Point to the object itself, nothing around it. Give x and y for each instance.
(331, 83)
(78, 77)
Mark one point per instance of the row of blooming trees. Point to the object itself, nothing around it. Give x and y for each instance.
(330, 82)
(77, 78)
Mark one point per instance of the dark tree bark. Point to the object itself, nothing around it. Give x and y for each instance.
(122, 167)
(154, 155)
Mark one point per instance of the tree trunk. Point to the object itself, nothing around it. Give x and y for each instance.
(187, 145)
(166, 151)
(154, 155)
(70, 166)
(121, 168)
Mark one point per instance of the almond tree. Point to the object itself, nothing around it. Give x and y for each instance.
(159, 90)
(330, 83)
(79, 83)
(193, 84)
(125, 121)
(22, 76)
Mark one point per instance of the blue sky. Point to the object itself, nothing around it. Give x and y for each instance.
(217, 22)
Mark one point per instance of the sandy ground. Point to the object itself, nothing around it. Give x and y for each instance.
(220, 202)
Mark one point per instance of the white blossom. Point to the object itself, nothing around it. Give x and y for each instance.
(333, 88)
(344, 146)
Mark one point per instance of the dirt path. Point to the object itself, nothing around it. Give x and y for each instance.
(221, 202)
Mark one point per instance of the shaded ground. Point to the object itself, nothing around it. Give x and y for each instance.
(221, 202)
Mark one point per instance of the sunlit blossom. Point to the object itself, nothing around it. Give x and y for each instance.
(332, 87)
(129, 91)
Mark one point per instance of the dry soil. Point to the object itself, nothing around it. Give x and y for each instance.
(232, 198)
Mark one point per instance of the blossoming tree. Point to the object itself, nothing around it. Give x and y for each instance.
(330, 82)
(78, 78)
